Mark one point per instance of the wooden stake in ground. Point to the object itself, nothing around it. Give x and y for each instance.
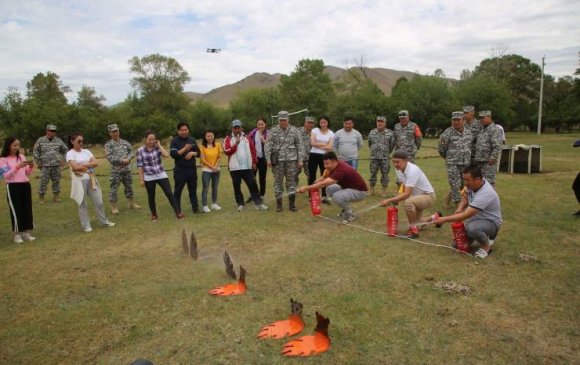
(184, 243)
(193, 246)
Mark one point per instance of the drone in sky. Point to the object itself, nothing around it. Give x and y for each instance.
(213, 50)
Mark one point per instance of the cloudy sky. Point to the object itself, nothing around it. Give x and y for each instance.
(90, 42)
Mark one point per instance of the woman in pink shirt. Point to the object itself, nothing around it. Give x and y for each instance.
(15, 169)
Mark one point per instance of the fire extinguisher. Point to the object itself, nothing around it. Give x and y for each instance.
(460, 237)
(392, 220)
(315, 202)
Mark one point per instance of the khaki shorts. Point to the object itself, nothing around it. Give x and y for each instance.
(418, 203)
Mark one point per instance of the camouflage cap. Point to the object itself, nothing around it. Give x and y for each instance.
(485, 113)
(283, 115)
(236, 123)
(309, 119)
(468, 108)
(380, 117)
(51, 127)
(403, 113)
(457, 115)
(112, 127)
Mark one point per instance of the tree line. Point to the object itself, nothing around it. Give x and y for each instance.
(506, 84)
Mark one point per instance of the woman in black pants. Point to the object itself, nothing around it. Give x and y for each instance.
(15, 169)
(258, 138)
(152, 173)
(321, 140)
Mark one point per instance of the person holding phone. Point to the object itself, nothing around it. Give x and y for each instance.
(151, 174)
(16, 170)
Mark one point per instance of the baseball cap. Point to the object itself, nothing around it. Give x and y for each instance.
(309, 119)
(283, 115)
(403, 113)
(236, 123)
(485, 113)
(468, 108)
(380, 117)
(51, 127)
(457, 115)
(112, 127)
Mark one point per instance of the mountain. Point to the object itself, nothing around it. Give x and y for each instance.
(384, 78)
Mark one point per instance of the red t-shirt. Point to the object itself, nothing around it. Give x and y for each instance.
(347, 177)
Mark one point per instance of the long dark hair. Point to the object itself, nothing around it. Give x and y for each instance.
(204, 141)
(6, 148)
(72, 137)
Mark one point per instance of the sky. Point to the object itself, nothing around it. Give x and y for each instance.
(90, 42)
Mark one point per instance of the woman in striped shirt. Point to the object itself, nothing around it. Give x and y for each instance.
(151, 173)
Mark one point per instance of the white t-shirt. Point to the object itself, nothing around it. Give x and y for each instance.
(79, 157)
(322, 138)
(414, 178)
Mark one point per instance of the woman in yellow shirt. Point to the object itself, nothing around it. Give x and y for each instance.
(211, 152)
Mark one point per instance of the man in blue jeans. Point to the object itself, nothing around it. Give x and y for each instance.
(480, 209)
(347, 142)
(183, 150)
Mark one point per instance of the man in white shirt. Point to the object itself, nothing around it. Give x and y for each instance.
(481, 210)
(416, 191)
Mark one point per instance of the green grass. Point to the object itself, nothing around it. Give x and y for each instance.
(118, 294)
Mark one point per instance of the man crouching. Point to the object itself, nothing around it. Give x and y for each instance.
(481, 210)
(343, 184)
(416, 191)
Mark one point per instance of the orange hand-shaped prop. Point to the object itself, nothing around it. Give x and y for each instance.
(280, 329)
(231, 289)
(310, 345)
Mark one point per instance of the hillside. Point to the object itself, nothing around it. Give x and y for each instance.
(385, 78)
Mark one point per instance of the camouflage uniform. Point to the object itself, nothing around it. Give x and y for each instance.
(49, 156)
(306, 143)
(116, 151)
(381, 145)
(488, 148)
(474, 127)
(405, 139)
(455, 148)
(290, 150)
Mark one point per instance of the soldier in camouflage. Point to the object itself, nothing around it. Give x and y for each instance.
(488, 147)
(119, 153)
(49, 152)
(381, 144)
(305, 134)
(474, 127)
(407, 135)
(285, 144)
(455, 148)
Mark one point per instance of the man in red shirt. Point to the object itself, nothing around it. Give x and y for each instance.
(342, 182)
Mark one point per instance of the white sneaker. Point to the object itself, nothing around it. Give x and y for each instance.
(240, 208)
(18, 238)
(206, 209)
(108, 224)
(87, 229)
(28, 237)
(215, 206)
(261, 207)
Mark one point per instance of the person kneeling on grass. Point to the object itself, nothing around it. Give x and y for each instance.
(481, 210)
(416, 191)
(342, 182)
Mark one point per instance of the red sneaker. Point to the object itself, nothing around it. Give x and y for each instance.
(413, 232)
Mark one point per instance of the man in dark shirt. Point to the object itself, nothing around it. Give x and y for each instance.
(342, 182)
(183, 150)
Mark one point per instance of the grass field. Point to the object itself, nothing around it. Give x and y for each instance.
(127, 292)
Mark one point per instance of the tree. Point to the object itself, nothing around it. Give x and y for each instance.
(87, 97)
(251, 104)
(159, 81)
(47, 88)
(487, 93)
(429, 100)
(308, 86)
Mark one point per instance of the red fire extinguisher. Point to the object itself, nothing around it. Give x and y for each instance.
(460, 237)
(392, 220)
(315, 201)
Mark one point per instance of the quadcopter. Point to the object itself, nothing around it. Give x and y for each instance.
(213, 50)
